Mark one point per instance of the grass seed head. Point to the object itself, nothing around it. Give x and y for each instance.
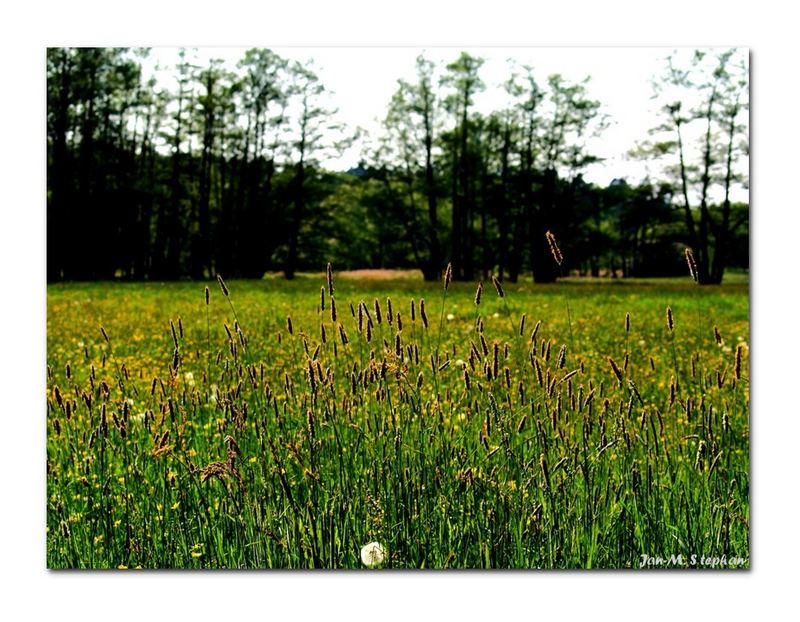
(691, 263)
(222, 286)
(535, 331)
(329, 274)
(498, 287)
(448, 276)
(616, 370)
(562, 357)
(737, 370)
(554, 250)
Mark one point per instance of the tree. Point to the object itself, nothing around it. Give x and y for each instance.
(171, 229)
(411, 126)
(220, 170)
(91, 93)
(706, 99)
(462, 76)
(265, 91)
(209, 113)
(59, 96)
(566, 116)
(315, 134)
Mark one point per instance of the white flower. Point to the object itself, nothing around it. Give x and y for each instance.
(496, 314)
(129, 401)
(460, 363)
(372, 554)
(450, 317)
(189, 377)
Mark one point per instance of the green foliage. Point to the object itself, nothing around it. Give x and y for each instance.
(703, 143)
(219, 171)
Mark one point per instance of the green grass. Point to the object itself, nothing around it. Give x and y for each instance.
(588, 472)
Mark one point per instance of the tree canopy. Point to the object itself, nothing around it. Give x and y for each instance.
(222, 171)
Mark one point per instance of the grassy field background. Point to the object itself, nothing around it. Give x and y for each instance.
(232, 440)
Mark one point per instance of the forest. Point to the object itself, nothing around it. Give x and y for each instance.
(222, 173)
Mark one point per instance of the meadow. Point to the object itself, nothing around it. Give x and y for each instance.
(274, 424)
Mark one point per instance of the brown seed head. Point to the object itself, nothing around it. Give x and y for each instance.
(448, 276)
(562, 357)
(616, 370)
(535, 331)
(222, 286)
(737, 370)
(498, 287)
(478, 293)
(329, 272)
(670, 320)
(691, 263)
(554, 250)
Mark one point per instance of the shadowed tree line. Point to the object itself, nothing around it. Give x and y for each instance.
(220, 171)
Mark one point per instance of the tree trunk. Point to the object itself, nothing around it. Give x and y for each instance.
(58, 206)
(434, 264)
(294, 227)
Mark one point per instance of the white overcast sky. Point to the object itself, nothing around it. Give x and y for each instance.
(363, 79)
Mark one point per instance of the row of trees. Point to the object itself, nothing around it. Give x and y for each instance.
(220, 172)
